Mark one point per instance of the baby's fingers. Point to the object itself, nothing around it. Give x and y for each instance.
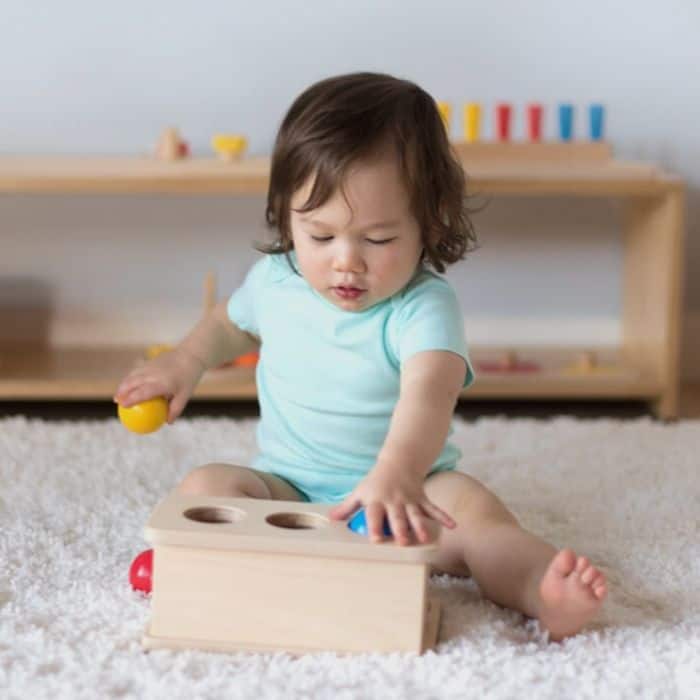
(127, 385)
(141, 392)
(176, 406)
(374, 514)
(420, 524)
(398, 523)
(438, 514)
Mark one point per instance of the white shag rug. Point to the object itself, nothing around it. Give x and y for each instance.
(74, 498)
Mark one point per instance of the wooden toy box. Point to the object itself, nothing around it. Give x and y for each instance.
(243, 574)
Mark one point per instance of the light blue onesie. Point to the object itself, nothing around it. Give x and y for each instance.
(328, 379)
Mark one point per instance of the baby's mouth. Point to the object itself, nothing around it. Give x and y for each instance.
(348, 292)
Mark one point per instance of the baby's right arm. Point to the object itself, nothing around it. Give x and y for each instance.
(175, 374)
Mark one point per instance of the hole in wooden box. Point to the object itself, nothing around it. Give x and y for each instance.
(297, 521)
(214, 514)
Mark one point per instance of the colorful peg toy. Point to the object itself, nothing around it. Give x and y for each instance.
(232, 574)
(504, 113)
(141, 569)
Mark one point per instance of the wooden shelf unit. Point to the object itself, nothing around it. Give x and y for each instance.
(648, 359)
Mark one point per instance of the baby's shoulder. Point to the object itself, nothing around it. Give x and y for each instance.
(426, 287)
(281, 267)
(270, 270)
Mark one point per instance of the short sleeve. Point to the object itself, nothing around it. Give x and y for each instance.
(244, 302)
(430, 318)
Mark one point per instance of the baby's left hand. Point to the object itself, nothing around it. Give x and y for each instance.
(401, 497)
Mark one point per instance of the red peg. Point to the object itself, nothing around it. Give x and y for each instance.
(141, 571)
(534, 122)
(503, 112)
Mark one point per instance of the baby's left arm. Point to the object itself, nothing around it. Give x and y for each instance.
(430, 385)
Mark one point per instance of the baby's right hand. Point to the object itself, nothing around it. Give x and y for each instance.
(172, 374)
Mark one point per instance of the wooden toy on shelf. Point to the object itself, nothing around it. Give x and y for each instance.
(503, 119)
(472, 122)
(509, 363)
(566, 121)
(445, 109)
(260, 575)
(534, 122)
(157, 349)
(588, 363)
(589, 158)
(170, 146)
(596, 121)
(229, 147)
(250, 359)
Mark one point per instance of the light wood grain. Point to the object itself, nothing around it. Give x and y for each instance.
(653, 254)
(82, 373)
(85, 175)
(238, 581)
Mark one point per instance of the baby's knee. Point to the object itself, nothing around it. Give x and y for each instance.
(223, 480)
(466, 499)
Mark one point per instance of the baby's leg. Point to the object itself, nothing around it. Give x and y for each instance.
(513, 567)
(234, 481)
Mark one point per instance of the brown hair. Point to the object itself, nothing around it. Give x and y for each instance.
(340, 120)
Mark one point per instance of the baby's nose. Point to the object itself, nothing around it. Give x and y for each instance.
(349, 260)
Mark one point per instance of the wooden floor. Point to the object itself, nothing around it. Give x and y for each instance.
(470, 410)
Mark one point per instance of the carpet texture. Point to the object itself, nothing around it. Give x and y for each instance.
(74, 498)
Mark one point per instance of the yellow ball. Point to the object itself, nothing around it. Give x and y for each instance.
(144, 417)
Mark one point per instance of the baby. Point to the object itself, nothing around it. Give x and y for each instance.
(362, 348)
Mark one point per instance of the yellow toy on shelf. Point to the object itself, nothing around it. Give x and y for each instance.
(588, 363)
(472, 122)
(158, 349)
(229, 147)
(445, 109)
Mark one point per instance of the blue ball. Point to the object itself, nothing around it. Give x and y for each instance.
(358, 523)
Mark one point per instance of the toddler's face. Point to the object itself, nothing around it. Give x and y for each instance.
(358, 252)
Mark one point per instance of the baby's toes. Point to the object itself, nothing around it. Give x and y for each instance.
(582, 564)
(588, 574)
(599, 585)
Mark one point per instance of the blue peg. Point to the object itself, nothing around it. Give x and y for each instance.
(566, 121)
(358, 523)
(597, 117)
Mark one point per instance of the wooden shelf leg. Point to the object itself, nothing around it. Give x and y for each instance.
(652, 292)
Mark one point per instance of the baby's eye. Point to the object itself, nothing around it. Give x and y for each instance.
(321, 239)
(382, 242)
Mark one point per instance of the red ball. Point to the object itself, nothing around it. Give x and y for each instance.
(141, 571)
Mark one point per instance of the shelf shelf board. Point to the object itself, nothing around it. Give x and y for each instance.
(77, 374)
(82, 374)
(196, 176)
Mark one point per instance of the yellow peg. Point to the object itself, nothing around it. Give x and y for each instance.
(472, 121)
(445, 109)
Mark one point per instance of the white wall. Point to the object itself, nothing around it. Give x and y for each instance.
(86, 77)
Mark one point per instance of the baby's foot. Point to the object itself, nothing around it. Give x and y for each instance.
(571, 591)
